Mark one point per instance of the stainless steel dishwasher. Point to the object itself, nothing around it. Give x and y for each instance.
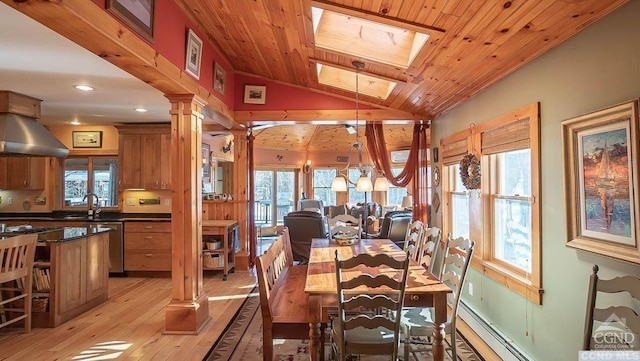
(116, 246)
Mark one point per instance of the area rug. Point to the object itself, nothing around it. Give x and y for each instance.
(242, 341)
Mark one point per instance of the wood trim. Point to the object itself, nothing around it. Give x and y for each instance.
(361, 72)
(292, 116)
(88, 25)
(371, 16)
(476, 341)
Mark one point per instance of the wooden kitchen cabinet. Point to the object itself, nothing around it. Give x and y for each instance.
(22, 173)
(143, 157)
(147, 246)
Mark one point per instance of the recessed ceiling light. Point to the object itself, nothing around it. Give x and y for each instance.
(141, 110)
(85, 88)
(74, 122)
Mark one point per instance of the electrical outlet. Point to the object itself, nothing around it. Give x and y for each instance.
(131, 201)
(10, 200)
(167, 202)
(470, 289)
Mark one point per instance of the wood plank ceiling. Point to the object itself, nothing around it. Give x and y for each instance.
(479, 42)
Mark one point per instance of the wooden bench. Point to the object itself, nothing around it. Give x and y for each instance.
(284, 304)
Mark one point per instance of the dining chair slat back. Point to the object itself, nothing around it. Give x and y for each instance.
(16, 278)
(344, 224)
(419, 321)
(611, 323)
(413, 240)
(369, 283)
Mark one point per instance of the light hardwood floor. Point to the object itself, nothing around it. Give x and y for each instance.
(129, 325)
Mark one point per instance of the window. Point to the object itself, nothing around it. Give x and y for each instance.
(354, 195)
(322, 179)
(502, 217)
(459, 200)
(511, 209)
(395, 194)
(274, 195)
(90, 179)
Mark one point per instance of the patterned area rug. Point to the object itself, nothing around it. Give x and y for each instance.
(242, 341)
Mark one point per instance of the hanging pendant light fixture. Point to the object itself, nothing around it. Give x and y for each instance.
(364, 183)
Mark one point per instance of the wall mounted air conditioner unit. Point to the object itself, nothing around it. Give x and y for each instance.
(399, 156)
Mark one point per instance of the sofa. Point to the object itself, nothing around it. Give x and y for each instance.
(303, 227)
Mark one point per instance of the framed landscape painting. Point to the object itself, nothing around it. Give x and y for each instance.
(601, 169)
(193, 54)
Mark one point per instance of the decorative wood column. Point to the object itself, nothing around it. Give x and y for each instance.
(240, 190)
(188, 311)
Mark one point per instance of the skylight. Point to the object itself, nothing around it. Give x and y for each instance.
(365, 38)
(346, 79)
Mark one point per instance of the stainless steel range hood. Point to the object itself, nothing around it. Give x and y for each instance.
(25, 136)
(20, 133)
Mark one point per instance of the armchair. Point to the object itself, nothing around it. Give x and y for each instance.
(304, 226)
(394, 227)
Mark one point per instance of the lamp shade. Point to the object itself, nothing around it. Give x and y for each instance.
(339, 184)
(364, 184)
(381, 184)
(407, 201)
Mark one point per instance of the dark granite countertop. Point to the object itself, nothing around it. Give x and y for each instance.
(61, 234)
(82, 216)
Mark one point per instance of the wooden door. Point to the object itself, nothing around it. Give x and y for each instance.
(165, 153)
(151, 161)
(37, 168)
(129, 161)
(72, 285)
(18, 173)
(97, 265)
(3, 173)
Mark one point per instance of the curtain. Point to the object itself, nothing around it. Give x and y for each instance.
(415, 168)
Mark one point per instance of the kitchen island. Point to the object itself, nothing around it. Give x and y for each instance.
(71, 272)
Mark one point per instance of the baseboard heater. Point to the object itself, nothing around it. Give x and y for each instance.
(498, 341)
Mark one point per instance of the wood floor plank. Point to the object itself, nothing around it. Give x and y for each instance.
(129, 325)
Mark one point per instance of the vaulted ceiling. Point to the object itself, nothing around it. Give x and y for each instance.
(471, 44)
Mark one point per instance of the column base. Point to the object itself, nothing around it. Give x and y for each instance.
(242, 261)
(187, 318)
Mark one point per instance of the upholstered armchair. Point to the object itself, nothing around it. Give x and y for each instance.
(303, 227)
(394, 227)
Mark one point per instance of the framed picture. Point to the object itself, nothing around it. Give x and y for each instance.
(138, 14)
(90, 139)
(193, 54)
(255, 94)
(600, 175)
(206, 163)
(218, 78)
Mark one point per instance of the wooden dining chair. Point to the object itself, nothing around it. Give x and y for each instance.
(610, 323)
(417, 323)
(359, 327)
(16, 278)
(413, 240)
(344, 224)
(435, 251)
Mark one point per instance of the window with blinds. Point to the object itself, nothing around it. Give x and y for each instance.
(504, 212)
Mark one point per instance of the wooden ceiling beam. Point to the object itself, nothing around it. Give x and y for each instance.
(327, 116)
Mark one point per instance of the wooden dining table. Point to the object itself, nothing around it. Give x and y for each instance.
(422, 289)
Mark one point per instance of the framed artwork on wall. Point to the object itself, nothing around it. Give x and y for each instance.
(138, 14)
(219, 75)
(255, 94)
(206, 162)
(193, 54)
(88, 139)
(600, 174)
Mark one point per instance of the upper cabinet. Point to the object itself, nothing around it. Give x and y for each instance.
(144, 157)
(22, 173)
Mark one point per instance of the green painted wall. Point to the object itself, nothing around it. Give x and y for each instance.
(597, 68)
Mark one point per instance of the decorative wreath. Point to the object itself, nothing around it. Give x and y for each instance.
(470, 171)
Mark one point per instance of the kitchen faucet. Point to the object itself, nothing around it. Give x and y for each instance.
(97, 203)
